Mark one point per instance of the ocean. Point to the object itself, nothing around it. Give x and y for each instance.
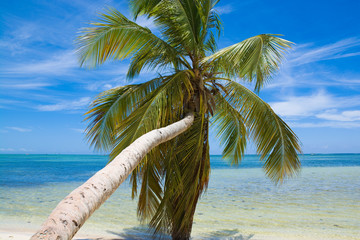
(321, 202)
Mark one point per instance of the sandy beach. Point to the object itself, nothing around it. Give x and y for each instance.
(230, 120)
(18, 234)
(320, 204)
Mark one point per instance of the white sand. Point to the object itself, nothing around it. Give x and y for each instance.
(321, 204)
(8, 234)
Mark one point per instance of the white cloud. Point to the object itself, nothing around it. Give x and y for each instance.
(304, 105)
(13, 150)
(320, 110)
(61, 63)
(66, 105)
(25, 150)
(345, 116)
(100, 86)
(20, 33)
(146, 22)
(302, 69)
(6, 103)
(106, 84)
(225, 9)
(19, 129)
(7, 149)
(302, 54)
(79, 130)
(25, 86)
(320, 105)
(327, 124)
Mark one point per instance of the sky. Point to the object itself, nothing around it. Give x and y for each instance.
(44, 93)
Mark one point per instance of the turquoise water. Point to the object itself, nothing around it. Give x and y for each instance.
(18, 170)
(322, 202)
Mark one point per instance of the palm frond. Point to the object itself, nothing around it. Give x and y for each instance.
(276, 143)
(110, 108)
(210, 44)
(179, 23)
(161, 107)
(141, 7)
(151, 187)
(229, 125)
(155, 57)
(115, 36)
(211, 25)
(187, 175)
(256, 58)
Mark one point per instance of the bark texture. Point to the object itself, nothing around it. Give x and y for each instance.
(72, 212)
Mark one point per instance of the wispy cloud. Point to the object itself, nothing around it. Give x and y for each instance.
(99, 86)
(13, 150)
(345, 116)
(304, 66)
(53, 30)
(325, 124)
(303, 54)
(21, 33)
(317, 105)
(25, 86)
(7, 150)
(66, 105)
(19, 129)
(303, 105)
(146, 22)
(79, 130)
(319, 110)
(58, 64)
(7, 103)
(303, 70)
(106, 84)
(225, 9)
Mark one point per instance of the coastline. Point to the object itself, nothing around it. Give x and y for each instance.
(13, 234)
(241, 203)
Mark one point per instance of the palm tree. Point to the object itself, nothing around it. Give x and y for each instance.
(195, 78)
(72, 212)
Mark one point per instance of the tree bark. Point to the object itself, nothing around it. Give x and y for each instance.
(72, 212)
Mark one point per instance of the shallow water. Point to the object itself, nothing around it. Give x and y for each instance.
(323, 202)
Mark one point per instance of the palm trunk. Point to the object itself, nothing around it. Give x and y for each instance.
(72, 212)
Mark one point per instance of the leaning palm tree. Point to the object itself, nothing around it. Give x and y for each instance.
(193, 78)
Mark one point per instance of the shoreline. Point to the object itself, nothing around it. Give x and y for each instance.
(319, 204)
(7, 234)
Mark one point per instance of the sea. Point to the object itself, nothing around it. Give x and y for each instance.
(321, 202)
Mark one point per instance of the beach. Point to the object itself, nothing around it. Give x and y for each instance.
(200, 100)
(241, 203)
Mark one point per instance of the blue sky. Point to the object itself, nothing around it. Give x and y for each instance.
(44, 93)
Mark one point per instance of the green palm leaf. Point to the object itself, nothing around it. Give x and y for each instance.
(187, 176)
(140, 7)
(110, 108)
(178, 21)
(230, 126)
(151, 191)
(275, 141)
(255, 58)
(117, 37)
(160, 108)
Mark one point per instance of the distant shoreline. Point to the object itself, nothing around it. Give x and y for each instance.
(219, 155)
